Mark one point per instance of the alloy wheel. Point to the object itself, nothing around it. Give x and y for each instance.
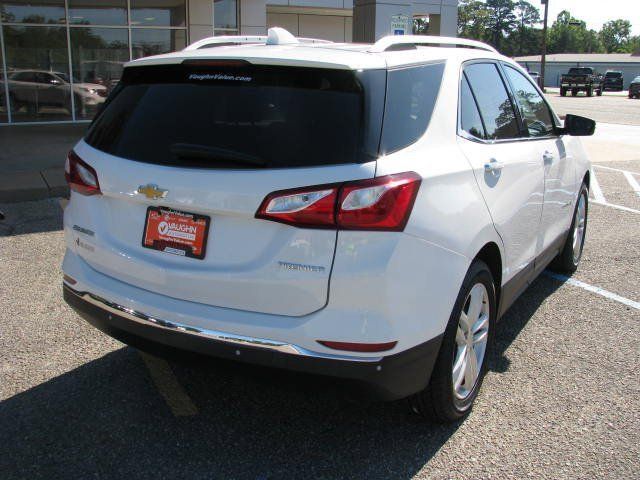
(579, 228)
(472, 335)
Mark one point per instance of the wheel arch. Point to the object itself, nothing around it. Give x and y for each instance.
(586, 178)
(491, 255)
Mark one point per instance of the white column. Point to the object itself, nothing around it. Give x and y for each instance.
(200, 19)
(253, 17)
(372, 19)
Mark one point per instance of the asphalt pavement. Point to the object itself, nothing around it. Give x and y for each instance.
(611, 107)
(561, 399)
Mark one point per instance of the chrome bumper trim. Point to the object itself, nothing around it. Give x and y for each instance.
(216, 335)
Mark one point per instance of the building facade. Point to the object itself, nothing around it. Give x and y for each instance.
(60, 58)
(559, 64)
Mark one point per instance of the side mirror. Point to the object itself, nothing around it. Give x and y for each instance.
(578, 126)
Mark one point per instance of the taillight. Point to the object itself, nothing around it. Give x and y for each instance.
(81, 177)
(382, 203)
(311, 207)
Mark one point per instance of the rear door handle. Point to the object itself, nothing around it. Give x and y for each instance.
(548, 158)
(494, 166)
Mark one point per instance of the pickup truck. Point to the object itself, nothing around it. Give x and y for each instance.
(583, 79)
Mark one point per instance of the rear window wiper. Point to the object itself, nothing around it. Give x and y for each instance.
(206, 152)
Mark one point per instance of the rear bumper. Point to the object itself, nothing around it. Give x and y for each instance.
(387, 378)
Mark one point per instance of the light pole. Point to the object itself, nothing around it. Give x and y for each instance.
(543, 59)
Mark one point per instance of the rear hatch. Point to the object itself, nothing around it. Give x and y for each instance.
(191, 150)
(577, 75)
(613, 78)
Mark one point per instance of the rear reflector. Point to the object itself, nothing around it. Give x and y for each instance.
(80, 176)
(358, 347)
(382, 203)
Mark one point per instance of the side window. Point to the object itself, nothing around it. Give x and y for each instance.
(535, 112)
(470, 120)
(24, 77)
(411, 96)
(43, 77)
(495, 106)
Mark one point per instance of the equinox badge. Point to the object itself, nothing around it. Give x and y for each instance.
(152, 191)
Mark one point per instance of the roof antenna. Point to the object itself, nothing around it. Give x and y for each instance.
(280, 36)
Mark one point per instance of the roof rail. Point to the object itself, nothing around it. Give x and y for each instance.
(225, 40)
(392, 41)
(278, 36)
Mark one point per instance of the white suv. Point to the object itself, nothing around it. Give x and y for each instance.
(359, 211)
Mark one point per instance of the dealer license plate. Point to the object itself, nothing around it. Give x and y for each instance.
(175, 232)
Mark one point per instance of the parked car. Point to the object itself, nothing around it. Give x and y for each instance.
(367, 212)
(613, 81)
(535, 76)
(581, 79)
(634, 88)
(33, 89)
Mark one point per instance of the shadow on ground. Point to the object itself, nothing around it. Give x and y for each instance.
(106, 420)
(31, 217)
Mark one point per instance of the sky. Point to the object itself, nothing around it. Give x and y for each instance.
(596, 12)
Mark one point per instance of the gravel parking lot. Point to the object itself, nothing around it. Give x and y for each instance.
(561, 399)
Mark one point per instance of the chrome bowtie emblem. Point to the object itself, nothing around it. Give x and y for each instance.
(152, 191)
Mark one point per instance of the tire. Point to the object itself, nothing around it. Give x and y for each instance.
(440, 401)
(569, 257)
(16, 106)
(590, 92)
(599, 92)
(574, 93)
(77, 104)
(563, 92)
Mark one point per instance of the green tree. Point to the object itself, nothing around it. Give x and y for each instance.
(591, 42)
(502, 20)
(570, 35)
(473, 19)
(633, 46)
(420, 26)
(525, 35)
(615, 35)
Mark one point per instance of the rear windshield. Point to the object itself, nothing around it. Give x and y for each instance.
(580, 71)
(231, 114)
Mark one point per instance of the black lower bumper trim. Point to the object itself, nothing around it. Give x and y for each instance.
(394, 377)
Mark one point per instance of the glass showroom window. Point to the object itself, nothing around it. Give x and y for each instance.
(60, 59)
(153, 41)
(97, 55)
(225, 17)
(37, 73)
(98, 12)
(4, 112)
(32, 11)
(158, 13)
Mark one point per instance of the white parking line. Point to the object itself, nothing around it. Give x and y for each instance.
(167, 384)
(615, 169)
(595, 188)
(599, 196)
(633, 182)
(590, 288)
(618, 207)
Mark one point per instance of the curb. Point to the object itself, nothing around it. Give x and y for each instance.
(35, 185)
